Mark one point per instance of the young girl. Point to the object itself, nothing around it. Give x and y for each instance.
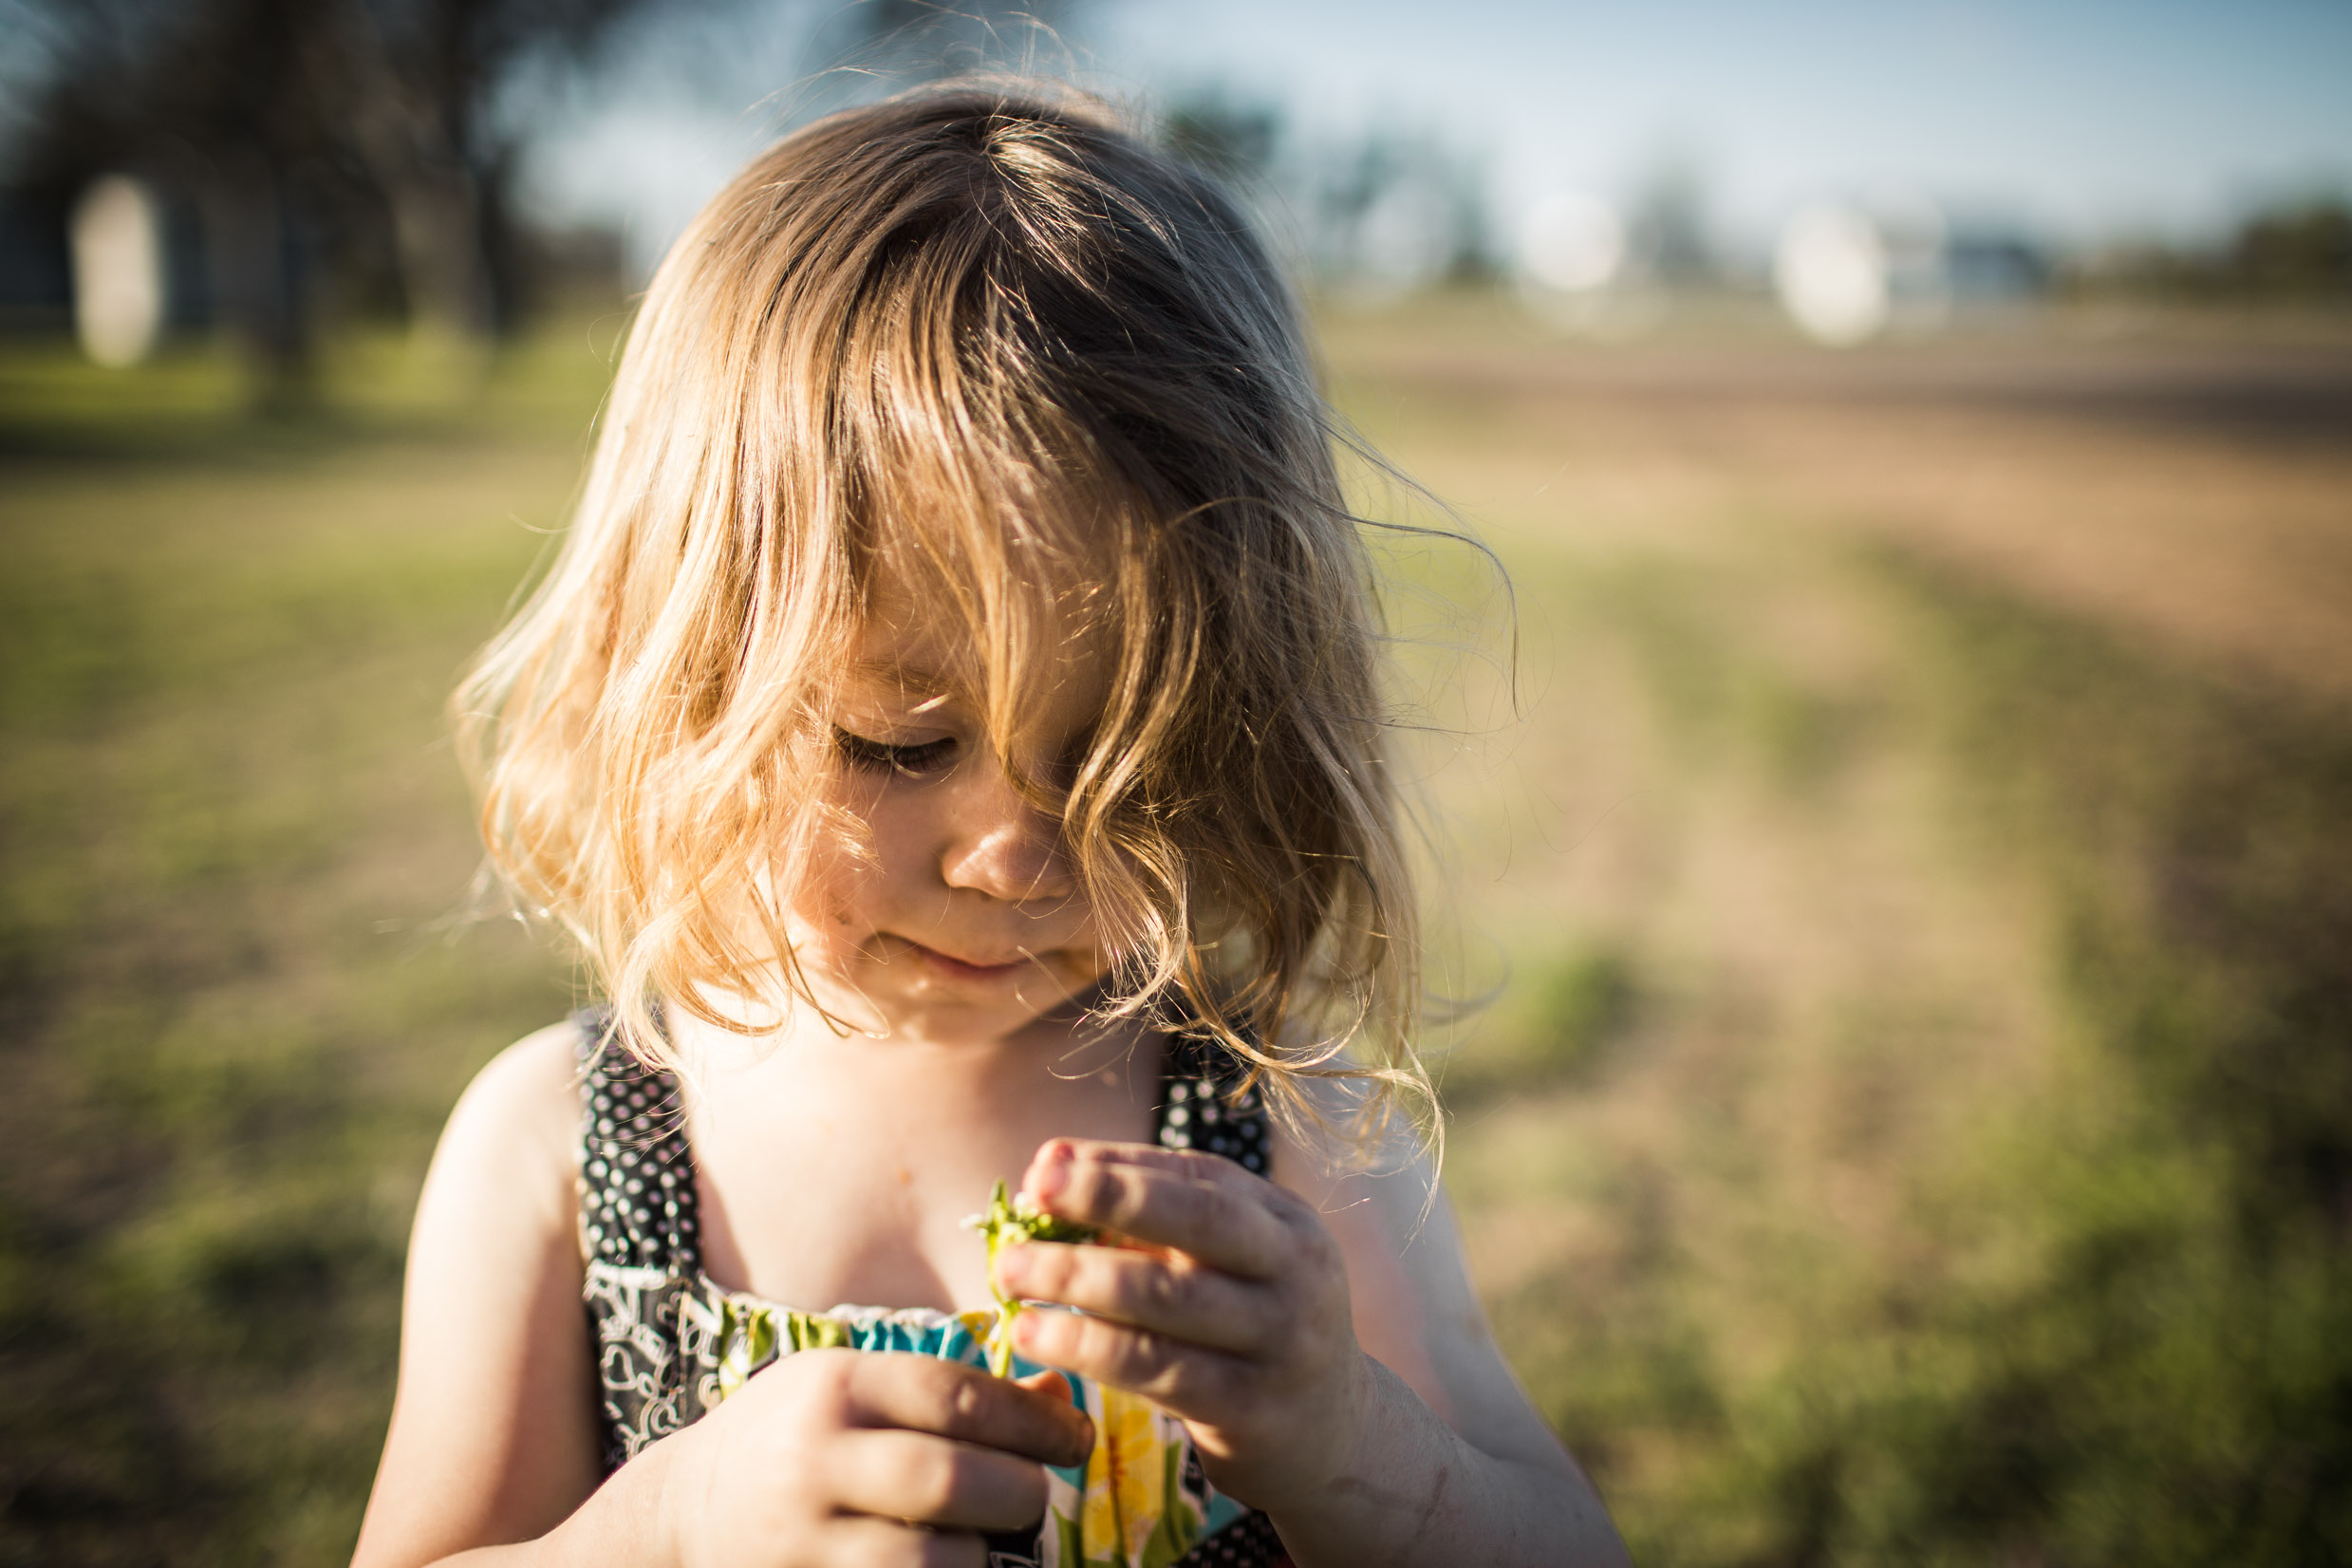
(951, 731)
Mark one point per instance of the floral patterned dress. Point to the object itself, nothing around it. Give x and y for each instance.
(671, 1344)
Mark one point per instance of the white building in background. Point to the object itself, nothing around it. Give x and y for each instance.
(1404, 240)
(1830, 269)
(119, 287)
(1581, 266)
(1571, 243)
(1850, 272)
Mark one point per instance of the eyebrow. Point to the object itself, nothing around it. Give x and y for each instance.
(896, 669)
(907, 678)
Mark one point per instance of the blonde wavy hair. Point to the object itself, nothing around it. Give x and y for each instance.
(986, 335)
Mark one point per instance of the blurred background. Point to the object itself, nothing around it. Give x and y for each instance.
(1908, 864)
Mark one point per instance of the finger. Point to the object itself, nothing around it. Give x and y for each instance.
(1186, 1379)
(927, 1480)
(1198, 1203)
(887, 1543)
(1175, 1295)
(922, 1393)
(1052, 1384)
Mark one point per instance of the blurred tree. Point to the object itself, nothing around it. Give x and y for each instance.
(924, 40)
(360, 132)
(365, 138)
(1669, 222)
(1392, 213)
(2302, 251)
(2297, 252)
(1231, 138)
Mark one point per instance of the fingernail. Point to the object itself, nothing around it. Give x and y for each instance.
(1011, 1268)
(1050, 1172)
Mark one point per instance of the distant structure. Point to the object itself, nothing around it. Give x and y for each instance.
(1385, 218)
(1846, 272)
(119, 285)
(1573, 259)
(1572, 243)
(1406, 238)
(1601, 268)
(1833, 275)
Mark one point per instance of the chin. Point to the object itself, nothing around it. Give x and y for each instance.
(891, 985)
(973, 1009)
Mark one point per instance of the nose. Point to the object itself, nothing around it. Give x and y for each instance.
(1000, 845)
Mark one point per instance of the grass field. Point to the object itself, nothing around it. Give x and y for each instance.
(1914, 874)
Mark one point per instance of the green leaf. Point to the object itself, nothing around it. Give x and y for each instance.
(1010, 1219)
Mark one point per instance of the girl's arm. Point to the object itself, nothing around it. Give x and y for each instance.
(1445, 1391)
(493, 1431)
(1324, 1348)
(824, 1458)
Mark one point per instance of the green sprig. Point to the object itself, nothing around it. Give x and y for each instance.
(1009, 1219)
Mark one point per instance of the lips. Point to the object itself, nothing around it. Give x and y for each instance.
(960, 968)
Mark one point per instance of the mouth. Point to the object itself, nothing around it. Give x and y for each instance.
(948, 966)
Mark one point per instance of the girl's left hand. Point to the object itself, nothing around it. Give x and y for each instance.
(1231, 1312)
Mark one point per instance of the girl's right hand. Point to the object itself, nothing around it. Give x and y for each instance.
(839, 1457)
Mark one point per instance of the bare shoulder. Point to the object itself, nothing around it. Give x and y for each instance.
(509, 1152)
(1415, 1310)
(530, 1090)
(509, 1158)
(505, 1171)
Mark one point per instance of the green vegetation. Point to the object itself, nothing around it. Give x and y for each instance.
(238, 989)
(1914, 1123)
(1011, 1219)
(2012, 1232)
(2118, 1334)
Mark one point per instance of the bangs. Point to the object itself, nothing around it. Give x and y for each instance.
(969, 489)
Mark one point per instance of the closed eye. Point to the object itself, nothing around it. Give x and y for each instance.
(878, 757)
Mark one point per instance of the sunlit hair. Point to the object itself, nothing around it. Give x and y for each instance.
(987, 341)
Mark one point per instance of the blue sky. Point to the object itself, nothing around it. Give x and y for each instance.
(2079, 119)
(2079, 113)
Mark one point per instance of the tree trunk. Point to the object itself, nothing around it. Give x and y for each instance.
(402, 130)
(258, 275)
(437, 226)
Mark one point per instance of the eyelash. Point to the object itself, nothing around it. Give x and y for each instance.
(910, 761)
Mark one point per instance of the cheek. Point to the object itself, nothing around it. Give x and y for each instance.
(832, 869)
(857, 853)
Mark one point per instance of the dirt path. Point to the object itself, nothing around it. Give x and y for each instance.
(2195, 495)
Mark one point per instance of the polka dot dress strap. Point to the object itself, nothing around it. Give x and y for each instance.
(637, 1198)
(1201, 1108)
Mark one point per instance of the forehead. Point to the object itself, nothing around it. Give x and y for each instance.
(917, 647)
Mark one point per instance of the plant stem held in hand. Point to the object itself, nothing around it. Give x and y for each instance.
(1012, 1217)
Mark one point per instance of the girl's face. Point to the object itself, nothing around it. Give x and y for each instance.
(958, 918)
